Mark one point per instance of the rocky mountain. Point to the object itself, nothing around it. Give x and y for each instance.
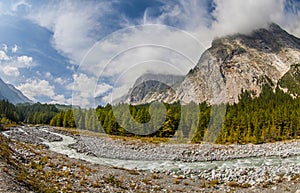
(232, 64)
(10, 93)
(151, 87)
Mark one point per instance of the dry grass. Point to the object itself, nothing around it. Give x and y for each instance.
(154, 140)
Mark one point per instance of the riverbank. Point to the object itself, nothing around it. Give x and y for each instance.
(185, 167)
(139, 150)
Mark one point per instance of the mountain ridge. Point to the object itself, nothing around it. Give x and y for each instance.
(10, 93)
(232, 64)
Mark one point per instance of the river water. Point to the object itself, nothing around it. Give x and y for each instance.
(62, 148)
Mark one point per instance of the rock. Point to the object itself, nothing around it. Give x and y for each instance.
(274, 188)
(252, 182)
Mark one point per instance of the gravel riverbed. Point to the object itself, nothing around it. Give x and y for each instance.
(225, 166)
(137, 150)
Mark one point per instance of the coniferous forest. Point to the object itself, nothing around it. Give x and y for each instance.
(273, 116)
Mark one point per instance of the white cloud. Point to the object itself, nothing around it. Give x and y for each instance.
(129, 53)
(3, 56)
(41, 88)
(48, 75)
(5, 47)
(83, 85)
(14, 49)
(58, 99)
(11, 64)
(34, 88)
(235, 16)
(187, 15)
(24, 59)
(102, 88)
(60, 81)
(11, 71)
(72, 68)
(73, 24)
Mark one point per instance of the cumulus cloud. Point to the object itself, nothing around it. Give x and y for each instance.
(14, 49)
(73, 23)
(101, 89)
(58, 99)
(34, 88)
(3, 56)
(5, 47)
(11, 64)
(83, 89)
(11, 71)
(234, 16)
(48, 75)
(24, 59)
(60, 81)
(121, 58)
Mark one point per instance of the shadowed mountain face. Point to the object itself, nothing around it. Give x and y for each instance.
(13, 95)
(232, 64)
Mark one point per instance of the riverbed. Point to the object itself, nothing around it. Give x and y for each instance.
(245, 164)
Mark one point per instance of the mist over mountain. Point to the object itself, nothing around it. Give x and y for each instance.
(232, 64)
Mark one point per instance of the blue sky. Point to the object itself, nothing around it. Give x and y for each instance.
(63, 51)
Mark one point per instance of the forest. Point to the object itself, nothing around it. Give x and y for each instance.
(273, 116)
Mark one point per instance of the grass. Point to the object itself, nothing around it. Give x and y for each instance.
(133, 172)
(176, 180)
(154, 140)
(111, 179)
(213, 183)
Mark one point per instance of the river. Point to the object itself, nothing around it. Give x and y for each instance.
(62, 148)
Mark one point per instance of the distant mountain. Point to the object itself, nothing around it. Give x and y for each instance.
(148, 87)
(10, 93)
(235, 63)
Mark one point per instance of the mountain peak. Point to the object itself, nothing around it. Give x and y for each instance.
(235, 63)
(270, 39)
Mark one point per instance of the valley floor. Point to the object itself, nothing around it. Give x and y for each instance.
(27, 164)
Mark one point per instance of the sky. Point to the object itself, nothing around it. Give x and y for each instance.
(71, 51)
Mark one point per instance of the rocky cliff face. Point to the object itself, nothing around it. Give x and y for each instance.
(153, 87)
(232, 64)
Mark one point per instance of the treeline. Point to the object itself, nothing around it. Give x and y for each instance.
(270, 117)
(26, 113)
(36, 113)
(103, 119)
(8, 113)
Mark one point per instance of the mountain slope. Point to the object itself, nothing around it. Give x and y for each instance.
(151, 87)
(290, 82)
(235, 63)
(10, 93)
